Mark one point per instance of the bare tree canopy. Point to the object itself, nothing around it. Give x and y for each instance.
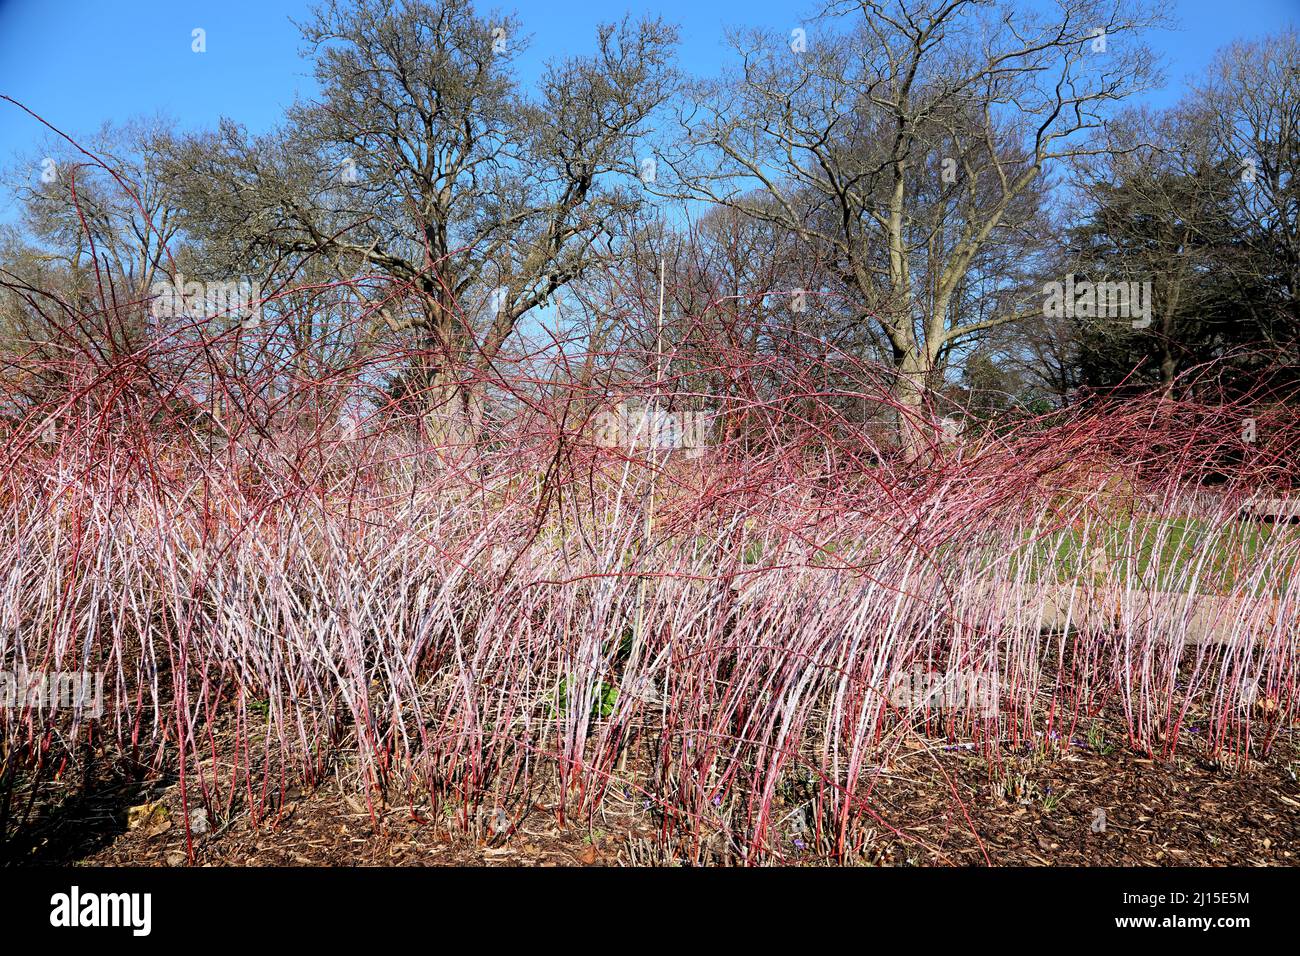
(425, 161)
(909, 142)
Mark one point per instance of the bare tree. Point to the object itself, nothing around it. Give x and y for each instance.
(425, 162)
(911, 148)
(1252, 100)
(95, 224)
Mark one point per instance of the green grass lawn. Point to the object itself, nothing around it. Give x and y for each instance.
(1176, 554)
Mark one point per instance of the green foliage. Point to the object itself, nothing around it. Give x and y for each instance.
(601, 708)
(1097, 740)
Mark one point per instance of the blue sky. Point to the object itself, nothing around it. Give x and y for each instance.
(82, 62)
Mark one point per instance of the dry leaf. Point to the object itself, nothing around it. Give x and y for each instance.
(151, 818)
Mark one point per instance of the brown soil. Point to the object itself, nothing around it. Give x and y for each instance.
(938, 804)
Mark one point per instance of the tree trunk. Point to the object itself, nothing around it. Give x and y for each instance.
(449, 396)
(912, 416)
